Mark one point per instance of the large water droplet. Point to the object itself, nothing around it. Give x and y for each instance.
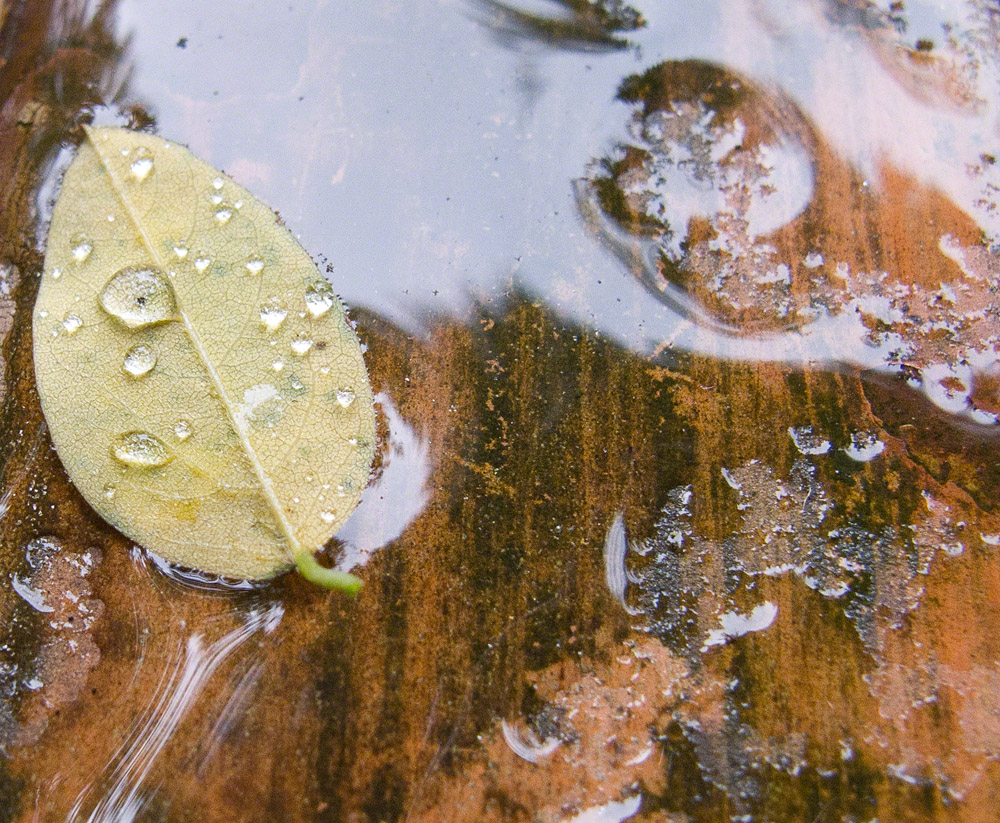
(182, 429)
(71, 323)
(319, 298)
(139, 297)
(345, 397)
(140, 449)
(141, 168)
(139, 360)
(301, 344)
(82, 248)
(272, 316)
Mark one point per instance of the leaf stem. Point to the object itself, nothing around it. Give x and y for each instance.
(312, 571)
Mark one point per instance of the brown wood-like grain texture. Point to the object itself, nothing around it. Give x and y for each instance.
(493, 605)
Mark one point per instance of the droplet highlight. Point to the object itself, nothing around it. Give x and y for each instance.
(141, 450)
(139, 360)
(139, 297)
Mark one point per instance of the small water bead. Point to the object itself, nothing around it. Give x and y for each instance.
(301, 345)
(81, 249)
(71, 323)
(223, 216)
(141, 450)
(43, 314)
(345, 397)
(238, 204)
(272, 316)
(56, 273)
(202, 263)
(181, 252)
(141, 168)
(297, 385)
(255, 266)
(139, 360)
(277, 365)
(182, 430)
(324, 370)
(216, 199)
(319, 298)
(327, 517)
(139, 297)
(217, 183)
(109, 490)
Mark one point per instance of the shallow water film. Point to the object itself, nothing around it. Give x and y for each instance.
(683, 321)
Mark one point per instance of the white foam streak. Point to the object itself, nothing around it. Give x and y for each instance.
(531, 750)
(124, 798)
(615, 573)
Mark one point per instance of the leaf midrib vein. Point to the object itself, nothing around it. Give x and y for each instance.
(276, 508)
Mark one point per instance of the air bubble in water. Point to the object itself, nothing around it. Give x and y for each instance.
(139, 360)
(139, 297)
(141, 450)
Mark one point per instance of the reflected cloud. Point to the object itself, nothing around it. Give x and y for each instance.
(395, 499)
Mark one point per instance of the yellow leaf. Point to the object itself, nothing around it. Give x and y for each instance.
(203, 387)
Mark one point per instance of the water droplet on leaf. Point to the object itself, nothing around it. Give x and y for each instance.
(141, 168)
(345, 397)
(272, 316)
(202, 263)
(223, 215)
(319, 298)
(139, 297)
(255, 266)
(141, 450)
(301, 344)
(71, 323)
(81, 248)
(139, 360)
(182, 430)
